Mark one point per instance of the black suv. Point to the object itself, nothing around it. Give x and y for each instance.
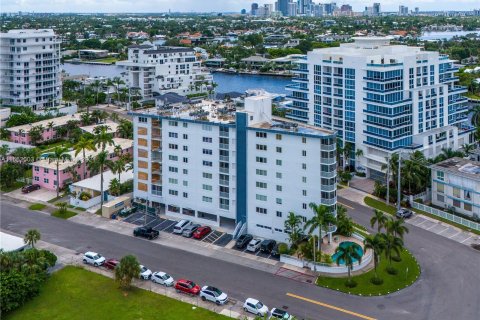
(243, 240)
(145, 232)
(267, 245)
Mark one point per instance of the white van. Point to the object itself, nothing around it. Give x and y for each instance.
(181, 225)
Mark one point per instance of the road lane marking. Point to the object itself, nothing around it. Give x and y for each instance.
(330, 306)
(343, 204)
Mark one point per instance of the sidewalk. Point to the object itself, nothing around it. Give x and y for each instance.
(233, 309)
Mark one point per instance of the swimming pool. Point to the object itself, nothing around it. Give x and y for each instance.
(346, 244)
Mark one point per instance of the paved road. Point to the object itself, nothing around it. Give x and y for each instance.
(449, 287)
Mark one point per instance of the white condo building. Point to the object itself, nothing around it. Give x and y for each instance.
(213, 164)
(382, 99)
(30, 68)
(158, 70)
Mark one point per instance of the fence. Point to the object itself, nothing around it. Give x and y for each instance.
(448, 216)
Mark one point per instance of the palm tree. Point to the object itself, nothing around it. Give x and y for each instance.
(4, 150)
(392, 245)
(347, 150)
(320, 221)
(117, 81)
(62, 208)
(348, 254)
(125, 129)
(126, 270)
(114, 186)
(50, 126)
(376, 244)
(292, 223)
(31, 237)
(468, 148)
(396, 227)
(58, 154)
(117, 150)
(392, 164)
(86, 118)
(96, 85)
(379, 218)
(412, 173)
(99, 163)
(475, 111)
(85, 143)
(117, 167)
(358, 154)
(103, 137)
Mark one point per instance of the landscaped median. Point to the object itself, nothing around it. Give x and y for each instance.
(408, 271)
(75, 293)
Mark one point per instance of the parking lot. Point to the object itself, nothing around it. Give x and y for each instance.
(258, 253)
(160, 224)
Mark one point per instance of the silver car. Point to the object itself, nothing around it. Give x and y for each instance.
(189, 230)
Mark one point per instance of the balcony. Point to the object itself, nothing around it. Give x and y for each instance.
(328, 147)
(328, 187)
(328, 202)
(328, 174)
(328, 160)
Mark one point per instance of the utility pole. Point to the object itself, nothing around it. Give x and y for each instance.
(388, 180)
(399, 188)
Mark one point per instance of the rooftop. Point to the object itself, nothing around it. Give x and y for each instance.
(93, 183)
(59, 121)
(10, 242)
(112, 127)
(45, 163)
(459, 166)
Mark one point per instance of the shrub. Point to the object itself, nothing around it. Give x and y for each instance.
(361, 174)
(396, 258)
(283, 248)
(350, 283)
(85, 196)
(391, 270)
(326, 258)
(376, 281)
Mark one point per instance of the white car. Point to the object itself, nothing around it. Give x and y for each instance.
(254, 245)
(162, 278)
(145, 273)
(256, 307)
(214, 295)
(93, 258)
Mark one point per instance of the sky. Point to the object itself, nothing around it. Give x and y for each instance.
(209, 5)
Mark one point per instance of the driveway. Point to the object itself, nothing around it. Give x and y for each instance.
(41, 195)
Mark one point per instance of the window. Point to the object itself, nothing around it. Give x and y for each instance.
(467, 206)
(278, 201)
(262, 185)
(206, 199)
(172, 181)
(304, 166)
(173, 192)
(261, 159)
(279, 214)
(206, 127)
(173, 135)
(173, 123)
(278, 175)
(304, 153)
(207, 187)
(278, 136)
(304, 179)
(37, 178)
(279, 149)
(278, 162)
(142, 119)
(261, 134)
(440, 175)
(45, 180)
(185, 171)
(45, 170)
(261, 147)
(207, 175)
(456, 203)
(279, 188)
(304, 192)
(466, 195)
(440, 198)
(304, 206)
(172, 157)
(185, 136)
(173, 169)
(37, 168)
(261, 172)
(304, 140)
(185, 195)
(261, 210)
(185, 183)
(440, 188)
(185, 160)
(261, 197)
(207, 151)
(173, 146)
(456, 192)
(207, 139)
(185, 148)
(207, 163)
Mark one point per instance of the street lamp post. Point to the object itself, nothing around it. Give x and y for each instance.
(399, 188)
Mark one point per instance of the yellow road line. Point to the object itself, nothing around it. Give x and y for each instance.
(330, 306)
(343, 204)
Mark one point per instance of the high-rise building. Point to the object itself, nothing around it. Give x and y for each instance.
(382, 99)
(376, 9)
(245, 168)
(254, 9)
(30, 68)
(282, 6)
(292, 9)
(402, 11)
(329, 8)
(165, 69)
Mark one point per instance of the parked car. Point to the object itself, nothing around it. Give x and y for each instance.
(93, 258)
(145, 232)
(181, 225)
(404, 213)
(202, 232)
(267, 245)
(254, 245)
(187, 286)
(189, 230)
(127, 211)
(111, 264)
(145, 273)
(274, 252)
(256, 307)
(276, 313)
(29, 188)
(213, 294)
(243, 240)
(162, 278)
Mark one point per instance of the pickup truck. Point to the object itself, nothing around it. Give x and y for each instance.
(145, 232)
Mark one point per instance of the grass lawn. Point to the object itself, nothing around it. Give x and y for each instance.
(67, 215)
(390, 284)
(50, 147)
(106, 60)
(380, 205)
(54, 199)
(74, 293)
(37, 206)
(16, 185)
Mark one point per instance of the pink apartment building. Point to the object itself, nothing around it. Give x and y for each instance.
(20, 134)
(45, 173)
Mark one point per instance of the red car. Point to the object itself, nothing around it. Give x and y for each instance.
(111, 263)
(187, 286)
(202, 232)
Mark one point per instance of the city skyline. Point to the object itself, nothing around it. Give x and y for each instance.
(143, 6)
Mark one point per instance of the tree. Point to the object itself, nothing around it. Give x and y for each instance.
(31, 237)
(376, 244)
(358, 154)
(86, 118)
(126, 270)
(4, 150)
(99, 163)
(396, 227)
(379, 218)
(115, 187)
(96, 85)
(35, 134)
(117, 167)
(468, 148)
(9, 173)
(475, 112)
(344, 222)
(320, 221)
(125, 129)
(347, 150)
(103, 137)
(348, 254)
(292, 224)
(85, 143)
(117, 82)
(62, 207)
(392, 245)
(59, 154)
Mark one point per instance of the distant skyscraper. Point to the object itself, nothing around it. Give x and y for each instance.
(244, 11)
(292, 9)
(283, 6)
(417, 10)
(402, 11)
(376, 9)
(328, 8)
(254, 8)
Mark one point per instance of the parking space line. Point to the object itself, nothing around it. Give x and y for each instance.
(446, 228)
(432, 226)
(329, 306)
(465, 239)
(424, 220)
(455, 234)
